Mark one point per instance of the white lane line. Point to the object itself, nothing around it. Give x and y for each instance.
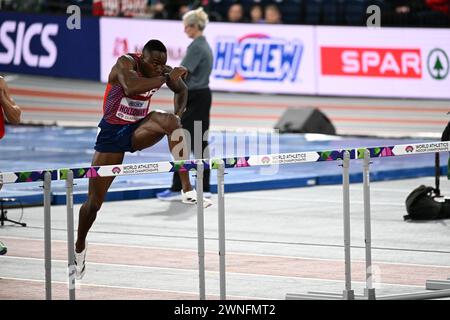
(267, 198)
(234, 253)
(194, 271)
(362, 130)
(80, 283)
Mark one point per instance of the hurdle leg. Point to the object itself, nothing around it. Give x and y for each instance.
(47, 236)
(70, 235)
(221, 209)
(348, 293)
(369, 291)
(437, 284)
(200, 230)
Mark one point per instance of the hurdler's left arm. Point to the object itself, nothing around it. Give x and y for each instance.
(11, 110)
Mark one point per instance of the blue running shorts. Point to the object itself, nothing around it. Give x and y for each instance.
(115, 137)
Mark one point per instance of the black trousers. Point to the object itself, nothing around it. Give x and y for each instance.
(198, 108)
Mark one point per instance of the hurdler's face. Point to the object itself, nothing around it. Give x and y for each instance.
(153, 63)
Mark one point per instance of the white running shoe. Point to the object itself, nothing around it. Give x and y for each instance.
(80, 263)
(190, 197)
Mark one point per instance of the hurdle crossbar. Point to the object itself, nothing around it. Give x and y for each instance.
(232, 162)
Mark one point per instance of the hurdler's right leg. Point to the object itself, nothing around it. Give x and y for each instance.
(98, 187)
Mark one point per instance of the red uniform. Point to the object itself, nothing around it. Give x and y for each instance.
(2, 123)
(121, 116)
(119, 108)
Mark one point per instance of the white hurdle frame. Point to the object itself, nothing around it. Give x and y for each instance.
(221, 227)
(48, 235)
(442, 288)
(70, 235)
(348, 293)
(369, 291)
(200, 230)
(220, 165)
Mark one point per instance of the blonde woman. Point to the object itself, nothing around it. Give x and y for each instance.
(198, 61)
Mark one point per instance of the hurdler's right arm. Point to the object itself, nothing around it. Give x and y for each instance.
(8, 105)
(123, 72)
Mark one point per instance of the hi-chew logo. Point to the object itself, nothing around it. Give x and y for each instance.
(257, 57)
(371, 62)
(17, 37)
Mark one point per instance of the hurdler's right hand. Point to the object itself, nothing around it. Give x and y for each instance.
(177, 72)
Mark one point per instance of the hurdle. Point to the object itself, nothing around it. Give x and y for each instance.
(348, 293)
(442, 287)
(369, 291)
(344, 155)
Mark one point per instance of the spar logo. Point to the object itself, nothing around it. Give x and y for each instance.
(257, 57)
(409, 149)
(438, 64)
(17, 38)
(371, 62)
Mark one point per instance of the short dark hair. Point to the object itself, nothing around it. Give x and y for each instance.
(155, 45)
